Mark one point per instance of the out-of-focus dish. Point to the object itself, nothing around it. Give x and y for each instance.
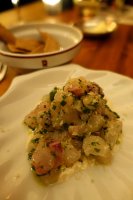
(61, 42)
(71, 125)
(97, 26)
(96, 182)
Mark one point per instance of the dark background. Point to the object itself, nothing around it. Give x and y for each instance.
(6, 4)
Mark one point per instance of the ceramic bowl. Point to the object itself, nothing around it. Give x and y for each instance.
(68, 36)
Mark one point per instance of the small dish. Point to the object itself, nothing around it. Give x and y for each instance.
(69, 38)
(98, 26)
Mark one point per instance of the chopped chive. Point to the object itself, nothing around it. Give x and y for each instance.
(32, 168)
(86, 110)
(65, 126)
(79, 81)
(94, 143)
(63, 103)
(97, 150)
(54, 107)
(64, 97)
(44, 131)
(52, 94)
(36, 140)
(30, 154)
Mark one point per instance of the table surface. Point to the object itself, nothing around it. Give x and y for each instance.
(114, 53)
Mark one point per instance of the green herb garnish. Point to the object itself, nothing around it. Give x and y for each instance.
(97, 150)
(54, 107)
(30, 154)
(65, 126)
(36, 140)
(44, 131)
(63, 102)
(86, 110)
(94, 143)
(52, 94)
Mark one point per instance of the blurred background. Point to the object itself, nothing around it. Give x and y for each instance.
(7, 4)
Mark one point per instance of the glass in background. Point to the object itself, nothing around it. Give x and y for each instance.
(123, 11)
(52, 7)
(67, 4)
(117, 5)
(15, 3)
(90, 8)
(95, 17)
(120, 4)
(129, 2)
(87, 8)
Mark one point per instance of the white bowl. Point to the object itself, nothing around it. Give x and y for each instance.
(69, 38)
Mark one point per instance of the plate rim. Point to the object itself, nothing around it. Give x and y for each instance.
(62, 67)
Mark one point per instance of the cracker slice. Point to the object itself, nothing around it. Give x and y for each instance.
(26, 45)
(29, 44)
(14, 49)
(51, 44)
(6, 36)
(39, 49)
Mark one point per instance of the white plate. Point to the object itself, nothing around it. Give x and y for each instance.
(113, 182)
(69, 38)
(98, 26)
